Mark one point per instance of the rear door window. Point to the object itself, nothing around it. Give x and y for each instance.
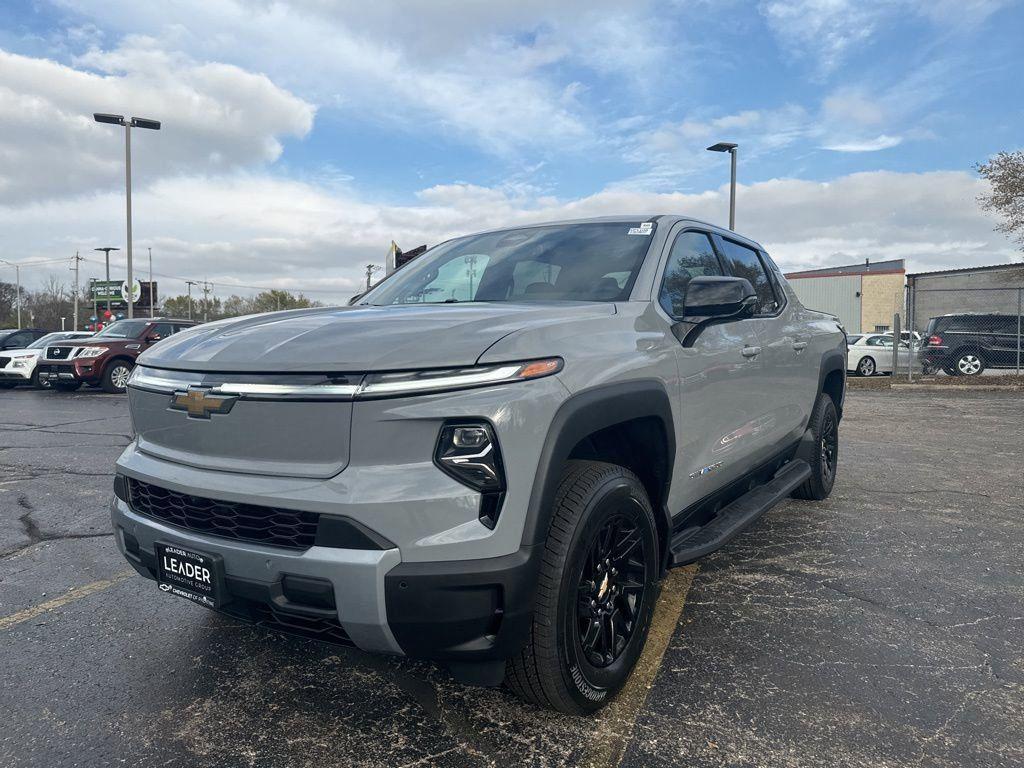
(163, 330)
(741, 261)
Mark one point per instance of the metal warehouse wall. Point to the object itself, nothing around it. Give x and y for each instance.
(945, 294)
(837, 295)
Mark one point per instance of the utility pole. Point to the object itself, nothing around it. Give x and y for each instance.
(370, 269)
(77, 260)
(151, 315)
(190, 283)
(17, 281)
(206, 302)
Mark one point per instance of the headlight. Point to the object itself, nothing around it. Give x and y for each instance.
(468, 451)
(416, 382)
(89, 352)
(21, 362)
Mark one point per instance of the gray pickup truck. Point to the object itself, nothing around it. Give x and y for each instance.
(492, 457)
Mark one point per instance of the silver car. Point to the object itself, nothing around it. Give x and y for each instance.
(492, 457)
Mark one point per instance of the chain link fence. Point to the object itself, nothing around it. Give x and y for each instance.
(961, 336)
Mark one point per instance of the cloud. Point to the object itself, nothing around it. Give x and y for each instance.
(217, 117)
(870, 145)
(255, 229)
(825, 32)
(491, 74)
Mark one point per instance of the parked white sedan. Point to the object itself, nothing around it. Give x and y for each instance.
(871, 353)
(18, 366)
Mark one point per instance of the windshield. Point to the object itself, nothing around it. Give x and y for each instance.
(568, 262)
(123, 329)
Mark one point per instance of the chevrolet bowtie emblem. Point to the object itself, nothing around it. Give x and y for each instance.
(200, 403)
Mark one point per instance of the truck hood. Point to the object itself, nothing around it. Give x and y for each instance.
(359, 339)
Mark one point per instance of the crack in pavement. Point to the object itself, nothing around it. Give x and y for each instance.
(37, 536)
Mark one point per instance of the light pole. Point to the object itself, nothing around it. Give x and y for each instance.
(106, 253)
(728, 146)
(17, 288)
(151, 315)
(133, 122)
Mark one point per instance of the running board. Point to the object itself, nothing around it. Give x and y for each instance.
(694, 543)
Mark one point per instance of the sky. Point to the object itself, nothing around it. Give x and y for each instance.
(301, 136)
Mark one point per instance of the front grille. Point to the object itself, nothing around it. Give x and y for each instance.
(273, 526)
(327, 630)
(58, 353)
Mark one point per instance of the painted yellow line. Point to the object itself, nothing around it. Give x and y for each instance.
(68, 597)
(614, 725)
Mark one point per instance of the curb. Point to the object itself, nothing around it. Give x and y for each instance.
(960, 387)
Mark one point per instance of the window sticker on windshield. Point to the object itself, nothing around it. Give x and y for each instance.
(644, 229)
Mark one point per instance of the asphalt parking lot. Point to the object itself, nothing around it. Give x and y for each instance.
(882, 627)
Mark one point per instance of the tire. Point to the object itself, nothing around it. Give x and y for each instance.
(824, 426)
(567, 664)
(37, 383)
(866, 366)
(67, 386)
(115, 377)
(969, 363)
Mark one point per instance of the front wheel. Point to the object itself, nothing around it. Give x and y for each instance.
(596, 591)
(824, 459)
(38, 383)
(115, 378)
(866, 366)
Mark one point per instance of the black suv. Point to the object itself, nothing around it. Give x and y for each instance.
(967, 344)
(19, 338)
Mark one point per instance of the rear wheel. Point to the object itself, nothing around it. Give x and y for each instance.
(115, 377)
(596, 591)
(866, 366)
(824, 461)
(67, 386)
(969, 364)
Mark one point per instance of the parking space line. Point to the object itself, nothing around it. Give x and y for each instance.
(614, 724)
(68, 597)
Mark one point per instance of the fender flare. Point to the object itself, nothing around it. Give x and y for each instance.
(582, 415)
(832, 361)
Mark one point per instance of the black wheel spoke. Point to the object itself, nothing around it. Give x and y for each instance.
(610, 590)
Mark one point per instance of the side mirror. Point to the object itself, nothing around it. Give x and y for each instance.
(152, 338)
(711, 300)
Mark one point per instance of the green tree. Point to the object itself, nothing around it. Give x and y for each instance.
(1005, 173)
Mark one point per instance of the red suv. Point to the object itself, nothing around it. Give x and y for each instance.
(106, 359)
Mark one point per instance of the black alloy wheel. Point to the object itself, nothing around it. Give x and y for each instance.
(611, 592)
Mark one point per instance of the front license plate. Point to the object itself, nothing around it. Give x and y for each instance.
(189, 574)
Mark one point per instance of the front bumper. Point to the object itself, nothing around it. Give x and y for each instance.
(459, 611)
(78, 370)
(15, 374)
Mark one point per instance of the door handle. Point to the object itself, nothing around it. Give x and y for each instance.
(799, 346)
(751, 351)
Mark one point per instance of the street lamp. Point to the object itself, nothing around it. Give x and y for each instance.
(728, 146)
(17, 280)
(133, 122)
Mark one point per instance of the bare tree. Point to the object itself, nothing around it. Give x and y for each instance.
(1005, 173)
